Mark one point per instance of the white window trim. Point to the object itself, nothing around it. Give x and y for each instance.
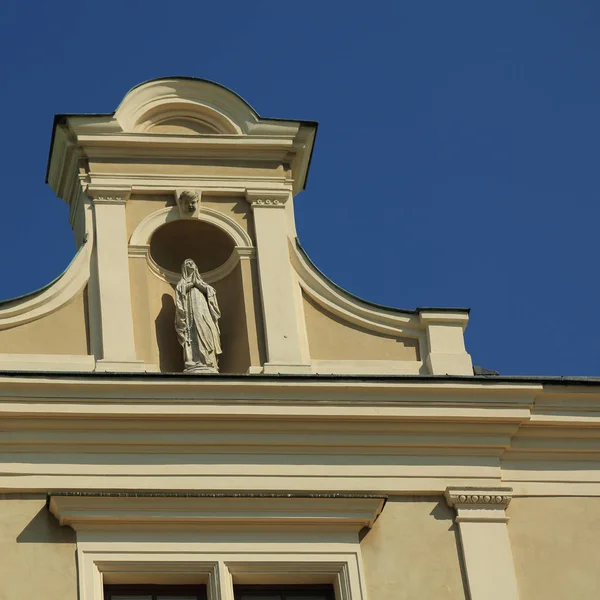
(222, 570)
(219, 541)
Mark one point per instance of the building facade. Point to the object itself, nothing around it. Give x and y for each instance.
(339, 449)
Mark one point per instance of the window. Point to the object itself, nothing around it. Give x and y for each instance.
(155, 592)
(289, 592)
(220, 547)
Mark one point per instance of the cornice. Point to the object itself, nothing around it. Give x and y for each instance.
(89, 511)
(433, 316)
(360, 390)
(418, 437)
(126, 144)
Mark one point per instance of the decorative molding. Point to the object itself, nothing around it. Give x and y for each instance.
(479, 504)
(344, 513)
(139, 252)
(350, 309)
(109, 200)
(63, 290)
(268, 203)
(455, 497)
(246, 253)
(143, 232)
(421, 435)
(433, 317)
(267, 198)
(109, 194)
(152, 101)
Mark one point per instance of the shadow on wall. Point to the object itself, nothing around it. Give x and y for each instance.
(443, 512)
(409, 532)
(170, 353)
(44, 528)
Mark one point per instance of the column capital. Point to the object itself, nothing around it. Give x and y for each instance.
(267, 198)
(479, 504)
(109, 195)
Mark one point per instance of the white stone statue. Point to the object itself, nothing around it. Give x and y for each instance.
(197, 317)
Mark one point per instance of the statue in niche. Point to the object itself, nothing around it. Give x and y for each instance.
(197, 317)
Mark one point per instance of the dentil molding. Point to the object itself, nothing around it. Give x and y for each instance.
(267, 198)
(479, 504)
(494, 496)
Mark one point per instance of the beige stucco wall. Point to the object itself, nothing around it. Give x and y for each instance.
(556, 547)
(331, 338)
(62, 332)
(236, 208)
(37, 556)
(140, 206)
(412, 552)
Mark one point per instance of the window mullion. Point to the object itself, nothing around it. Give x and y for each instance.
(223, 583)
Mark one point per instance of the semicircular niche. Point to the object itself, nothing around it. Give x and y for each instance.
(204, 243)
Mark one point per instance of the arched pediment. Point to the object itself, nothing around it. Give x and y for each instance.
(180, 105)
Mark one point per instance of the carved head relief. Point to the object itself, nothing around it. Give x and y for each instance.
(188, 201)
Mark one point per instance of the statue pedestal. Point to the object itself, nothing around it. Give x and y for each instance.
(195, 369)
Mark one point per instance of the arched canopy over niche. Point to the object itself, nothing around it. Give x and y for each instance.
(208, 246)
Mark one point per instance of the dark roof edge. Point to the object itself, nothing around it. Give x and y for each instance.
(416, 311)
(61, 118)
(311, 377)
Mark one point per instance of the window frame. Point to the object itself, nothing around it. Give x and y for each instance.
(222, 571)
(155, 589)
(327, 591)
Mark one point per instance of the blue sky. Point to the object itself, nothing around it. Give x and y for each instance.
(456, 162)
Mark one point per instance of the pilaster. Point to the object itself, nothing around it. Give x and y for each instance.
(487, 555)
(282, 326)
(115, 344)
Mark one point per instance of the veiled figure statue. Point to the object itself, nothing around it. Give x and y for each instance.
(197, 317)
